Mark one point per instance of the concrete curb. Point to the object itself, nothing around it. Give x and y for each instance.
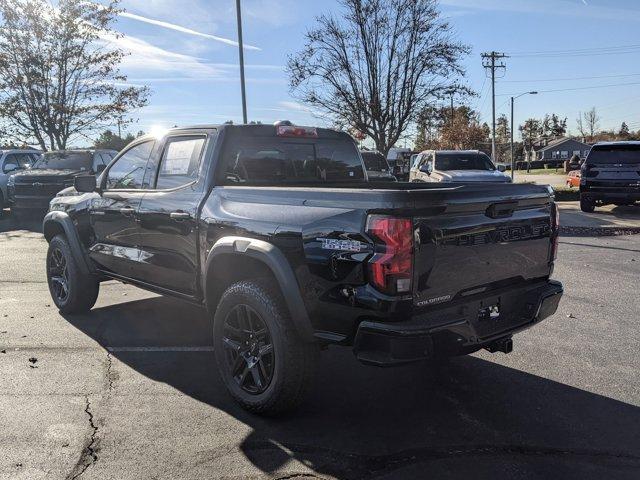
(567, 231)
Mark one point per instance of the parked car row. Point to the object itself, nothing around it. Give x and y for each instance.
(33, 179)
(11, 162)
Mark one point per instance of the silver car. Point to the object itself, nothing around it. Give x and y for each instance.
(12, 161)
(456, 166)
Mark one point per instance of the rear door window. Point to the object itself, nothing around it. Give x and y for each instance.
(180, 162)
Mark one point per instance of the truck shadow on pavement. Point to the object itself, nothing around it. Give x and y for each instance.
(8, 223)
(473, 418)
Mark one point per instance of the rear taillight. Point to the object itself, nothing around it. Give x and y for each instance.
(555, 230)
(391, 267)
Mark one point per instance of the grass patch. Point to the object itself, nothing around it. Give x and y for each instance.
(565, 194)
(541, 171)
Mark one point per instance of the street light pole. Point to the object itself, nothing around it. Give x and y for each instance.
(513, 159)
(241, 54)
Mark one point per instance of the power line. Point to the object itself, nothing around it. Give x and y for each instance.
(580, 88)
(535, 80)
(620, 49)
(492, 62)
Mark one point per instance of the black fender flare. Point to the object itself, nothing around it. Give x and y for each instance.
(274, 259)
(55, 219)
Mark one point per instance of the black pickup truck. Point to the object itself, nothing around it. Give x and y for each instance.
(277, 232)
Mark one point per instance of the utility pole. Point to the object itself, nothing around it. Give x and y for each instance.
(492, 61)
(241, 54)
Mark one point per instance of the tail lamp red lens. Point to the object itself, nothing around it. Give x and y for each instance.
(391, 267)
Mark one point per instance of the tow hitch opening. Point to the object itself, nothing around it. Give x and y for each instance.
(504, 345)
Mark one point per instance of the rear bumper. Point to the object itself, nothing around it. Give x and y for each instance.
(458, 329)
(610, 194)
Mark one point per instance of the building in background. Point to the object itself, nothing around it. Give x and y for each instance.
(561, 149)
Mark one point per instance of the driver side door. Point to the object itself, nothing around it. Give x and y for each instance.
(114, 215)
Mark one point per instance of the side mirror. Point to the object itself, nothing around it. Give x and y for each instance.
(85, 183)
(100, 168)
(502, 168)
(10, 167)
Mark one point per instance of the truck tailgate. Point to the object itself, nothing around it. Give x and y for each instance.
(480, 245)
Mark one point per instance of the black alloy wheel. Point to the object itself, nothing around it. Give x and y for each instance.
(249, 354)
(59, 275)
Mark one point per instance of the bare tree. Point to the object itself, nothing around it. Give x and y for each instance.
(59, 75)
(581, 128)
(592, 121)
(378, 66)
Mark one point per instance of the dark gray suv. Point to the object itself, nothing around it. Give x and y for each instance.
(610, 175)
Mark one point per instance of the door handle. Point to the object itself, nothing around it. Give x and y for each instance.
(127, 211)
(180, 215)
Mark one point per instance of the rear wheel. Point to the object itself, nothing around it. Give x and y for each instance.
(71, 290)
(264, 364)
(586, 205)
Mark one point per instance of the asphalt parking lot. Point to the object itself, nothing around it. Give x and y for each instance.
(131, 390)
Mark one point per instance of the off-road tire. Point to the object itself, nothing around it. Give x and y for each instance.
(587, 206)
(294, 359)
(83, 288)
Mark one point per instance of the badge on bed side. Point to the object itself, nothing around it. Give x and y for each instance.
(340, 245)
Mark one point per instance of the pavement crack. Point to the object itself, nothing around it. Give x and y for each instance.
(111, 376)
(89, 453)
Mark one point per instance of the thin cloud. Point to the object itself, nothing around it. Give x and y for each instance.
(145, 57)
(179, 28)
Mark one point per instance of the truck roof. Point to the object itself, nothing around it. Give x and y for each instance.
(258, 130)
(634, 143)
(453, 152)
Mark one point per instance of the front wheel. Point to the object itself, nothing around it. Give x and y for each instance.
(264, 364)
(71, 290)
(587, 206)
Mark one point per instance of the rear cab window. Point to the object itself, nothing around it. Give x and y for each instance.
(65, 160)
(275, 156)
(463, 161)
(621, 154)
(375, 161)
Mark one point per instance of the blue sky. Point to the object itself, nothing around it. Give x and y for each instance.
(183, 49)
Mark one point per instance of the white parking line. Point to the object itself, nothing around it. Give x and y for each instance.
(160, 349)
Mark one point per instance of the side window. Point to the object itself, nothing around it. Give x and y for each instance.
(16, 161)
(99, 162)
(10, 163)
(180, 162)
(128, 171)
